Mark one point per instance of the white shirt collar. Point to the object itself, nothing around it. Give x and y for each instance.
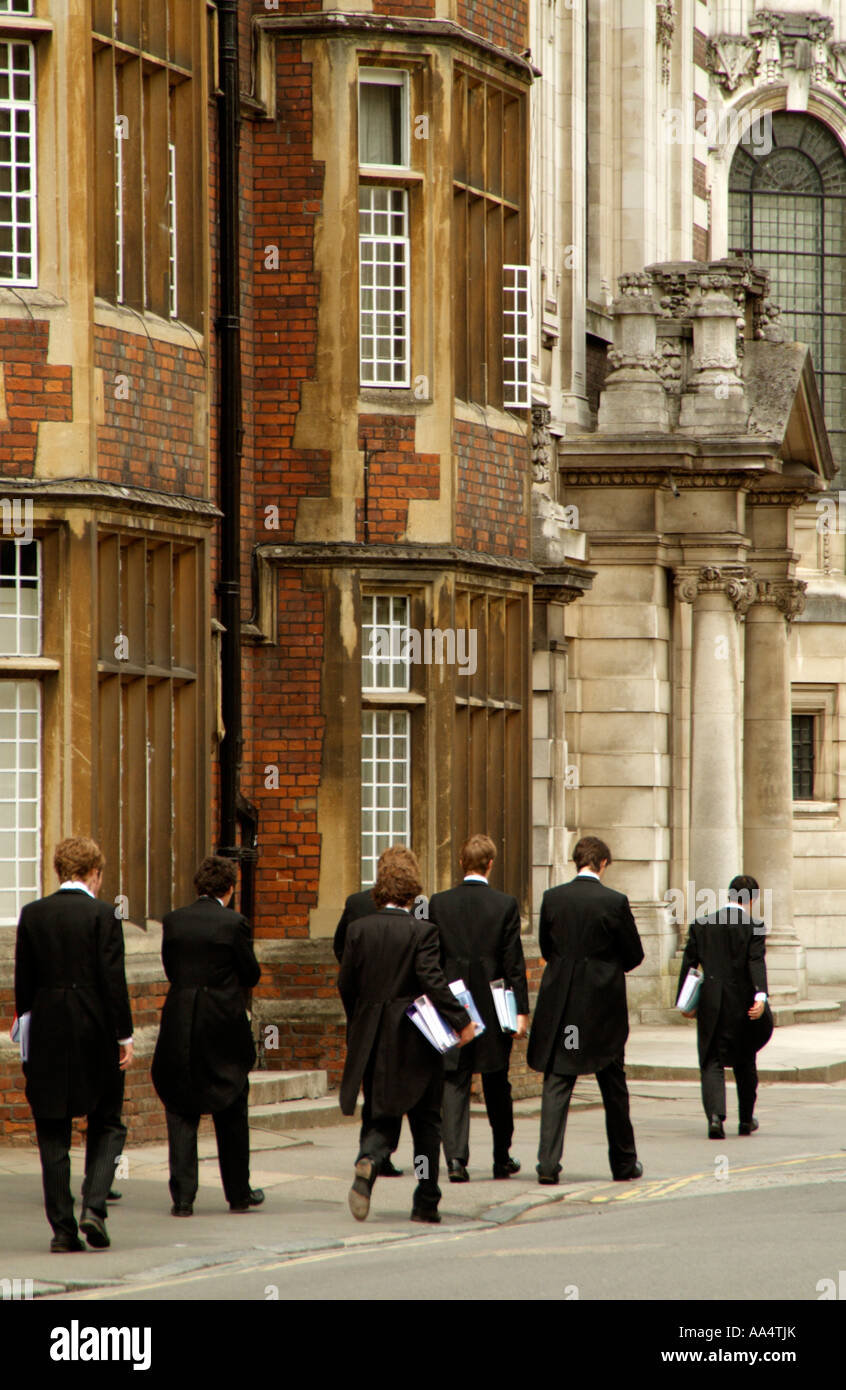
(475, 878)
(588, 873)
(76, 883)
(397, 907)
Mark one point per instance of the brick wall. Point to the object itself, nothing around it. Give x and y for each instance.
(286, 736)
(395, 475)
(505, 25)
(149, 391)
(490, 489)
(30, 391)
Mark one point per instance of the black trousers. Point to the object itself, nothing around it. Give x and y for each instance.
(714, 1085)
(424, 1118)
(232, 1131)
(456, 1113)
(103, 1146)
(557, 1090)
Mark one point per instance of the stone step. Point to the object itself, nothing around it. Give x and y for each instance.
(300, 1114)
(806, 1011)
(271, 1087)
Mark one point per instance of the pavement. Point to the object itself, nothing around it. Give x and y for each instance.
(803, 1052)
(306, 1176)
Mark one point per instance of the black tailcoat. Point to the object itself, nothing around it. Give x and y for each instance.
(480, 941)
(357, 905)
(731, 952)
(589, 940)
(205, 1047)
(389, 959)
(69, 972)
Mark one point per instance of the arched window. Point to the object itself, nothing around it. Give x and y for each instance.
(787, 210)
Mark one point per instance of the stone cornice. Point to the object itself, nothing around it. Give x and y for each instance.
(350, 554)
(95, 493)
(336, 24)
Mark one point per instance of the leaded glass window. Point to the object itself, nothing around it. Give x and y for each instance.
(787, 210)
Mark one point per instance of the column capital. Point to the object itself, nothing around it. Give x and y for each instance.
(787, 595)
(731, 580)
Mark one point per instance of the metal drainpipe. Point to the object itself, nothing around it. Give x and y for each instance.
(235, 812)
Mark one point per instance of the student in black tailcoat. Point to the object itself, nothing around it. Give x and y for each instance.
(589, 941)
(730, 946)
(390, 958)
(69, 977)
(205, 1048)
(363, 905)
(480, 941)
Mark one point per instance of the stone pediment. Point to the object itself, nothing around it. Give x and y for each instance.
(784, 404)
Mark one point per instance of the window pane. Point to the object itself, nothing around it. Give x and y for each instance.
(387, 785)
(380, 129)
(17, 160)
(20, 796)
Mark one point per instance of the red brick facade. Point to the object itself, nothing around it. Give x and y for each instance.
(490, 490)
(395, 474)
(153, 434)
(32, 391)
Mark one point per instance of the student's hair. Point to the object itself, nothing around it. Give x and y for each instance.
(398, 877)
(742, 889)
(590, 852)
(215, 876)
(476, 854)
(77, 857)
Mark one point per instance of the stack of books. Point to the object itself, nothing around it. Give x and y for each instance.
(435, 1029)
(506, 1006)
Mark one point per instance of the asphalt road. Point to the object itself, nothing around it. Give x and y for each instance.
(759, 1218)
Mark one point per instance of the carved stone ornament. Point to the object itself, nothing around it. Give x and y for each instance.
(768, 321)
(787, 595)
(541, 443)
(731, 58)
(618, 360)
(731, 580)
(665, 28)
(768, 27)
(637, 283)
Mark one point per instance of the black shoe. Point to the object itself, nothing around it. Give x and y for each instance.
(66, 1245)
(182, 1209)
(388, 1170)
(457, 1171)
(359, 1193)
(255, 1199)
(631, 1175)
(113, 1196)
(505, 1170)
(548, 1179)
(748, 1126)
(431, 1218)
(715, 1128)
(94, 1229)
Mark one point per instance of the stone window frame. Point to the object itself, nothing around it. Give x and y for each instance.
(149, 74)
(490, 224)
(410, 179)
(44, 666)
(819, 700)
(151, 592)
(411, 702)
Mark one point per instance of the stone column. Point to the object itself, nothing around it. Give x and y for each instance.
(768, 776)
(715, 780)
